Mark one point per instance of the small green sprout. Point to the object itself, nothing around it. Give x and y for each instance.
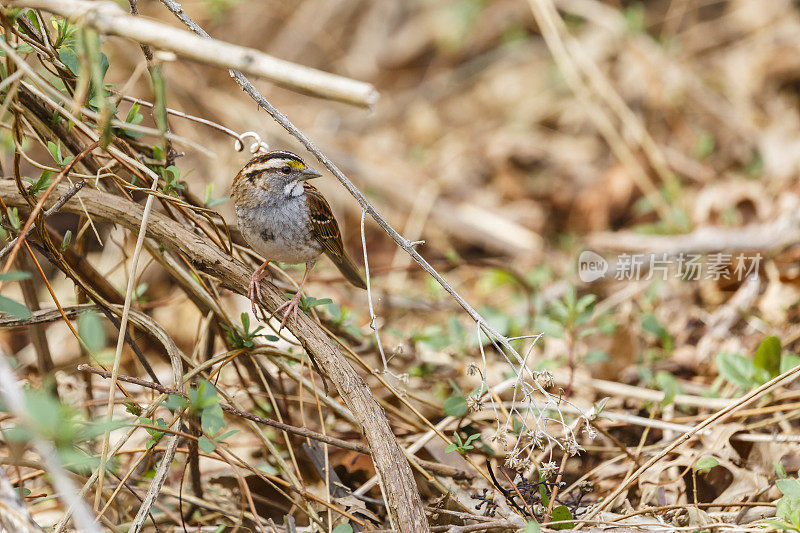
(462, 446)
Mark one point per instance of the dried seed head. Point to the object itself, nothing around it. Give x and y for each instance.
(544, 379)
(501, 437)
(548, 469)
(571, 447)
(474, 403)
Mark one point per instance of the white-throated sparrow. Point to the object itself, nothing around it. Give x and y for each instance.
(286, 219)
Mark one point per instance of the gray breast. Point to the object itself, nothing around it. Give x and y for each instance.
(279, 232)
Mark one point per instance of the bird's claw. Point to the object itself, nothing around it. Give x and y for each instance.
(254, 293)
(291, 308)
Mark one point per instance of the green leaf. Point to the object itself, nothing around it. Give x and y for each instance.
(789, 361)
(133, 409)
(789, 487)
(13, 217)
(343, 528)
(768, 356)
(91, 331)
(737, 369)
(780, 471)
(310, 302)
(15, 309)
(543, 489)
(561, 513)
(221, 438)
(651, 324)
(705, 145)
(175, 402)
(202, 396)
(70, 59)
(55, 151)
(532, 527)
(451, 448)
(174, 171)
(455, 406)
(66, 241)
(599, 406)
(41, 184)
(548, 326)
(471, 438)
(585, 302)
(788, 508)
(206, 444)
(705, 464)
(15, 275)
(783, 526)
(667, 383)
(204, 400)
(134, 117)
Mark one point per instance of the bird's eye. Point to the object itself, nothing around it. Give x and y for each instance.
(286, 169)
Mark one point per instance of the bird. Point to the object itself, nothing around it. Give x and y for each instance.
(284, 218)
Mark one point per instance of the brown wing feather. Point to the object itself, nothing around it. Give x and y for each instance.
(326, 231)
(324, 226)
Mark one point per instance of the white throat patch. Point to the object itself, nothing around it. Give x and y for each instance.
(293, 188)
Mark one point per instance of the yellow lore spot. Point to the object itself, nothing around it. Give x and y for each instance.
(296, 164)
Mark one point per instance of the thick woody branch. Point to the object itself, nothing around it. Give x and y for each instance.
(390, 462)
(109, 19)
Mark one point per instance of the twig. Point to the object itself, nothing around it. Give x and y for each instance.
(56, 206)
(554, 494)
(39, 204)
(713, 419)
(155, 485)
(123, 325)
(543, 13)
(439, 469)
(354, 446)
(665, 425)
(110, 19)
(175, 356)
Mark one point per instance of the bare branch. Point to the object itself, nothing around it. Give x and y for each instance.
(56, 206)
(108, 18)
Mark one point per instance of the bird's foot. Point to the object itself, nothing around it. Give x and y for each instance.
(290, 308)
(254, 292)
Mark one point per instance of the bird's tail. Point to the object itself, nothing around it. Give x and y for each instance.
(349, 270)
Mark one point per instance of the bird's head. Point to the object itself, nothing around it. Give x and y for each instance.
(275, 172)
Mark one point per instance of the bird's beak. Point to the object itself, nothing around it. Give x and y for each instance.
(308, 174)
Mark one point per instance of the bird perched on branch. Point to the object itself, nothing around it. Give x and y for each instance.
(284, 218)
